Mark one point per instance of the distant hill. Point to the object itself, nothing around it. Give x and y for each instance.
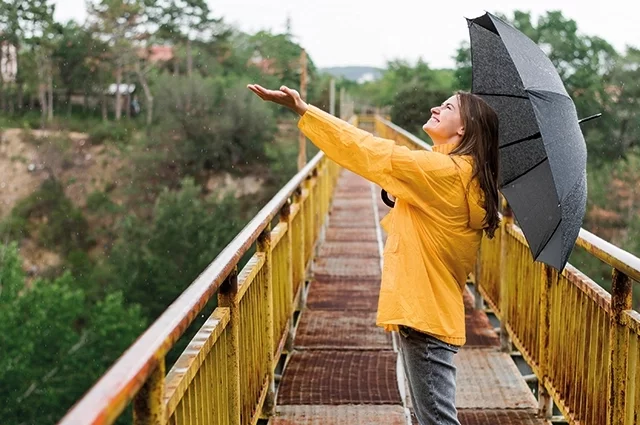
(355, 73)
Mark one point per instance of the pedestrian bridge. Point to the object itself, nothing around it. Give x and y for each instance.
(293, 337)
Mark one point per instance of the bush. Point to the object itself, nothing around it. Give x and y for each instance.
(111, 131)
(14, 227)
(283, 161)
(99, 201)
(209, 126)
(54, 344)
(63, 227)
(411, 106)
(165, 256)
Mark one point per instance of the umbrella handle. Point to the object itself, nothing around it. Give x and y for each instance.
(598, 115)
(385, 198)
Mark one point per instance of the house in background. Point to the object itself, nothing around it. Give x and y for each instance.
(158, 54)
(266, 65)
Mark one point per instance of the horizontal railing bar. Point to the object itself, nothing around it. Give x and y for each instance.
(249, 272)
(631, 319)
(589, 287)
(181, 374)
(405, 133)
(278, 233)
(616, 257)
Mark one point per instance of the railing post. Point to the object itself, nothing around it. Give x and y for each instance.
(621, 300)
(545, 402)
(300, 255)
(264, 246)
(479, 301)
(324, 200)
(309, 226)
(505, 279)
(314, 190)
(228, 297)
(285, 217)
(148, 405)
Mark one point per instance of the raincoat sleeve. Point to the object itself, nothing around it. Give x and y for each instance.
(406, 174)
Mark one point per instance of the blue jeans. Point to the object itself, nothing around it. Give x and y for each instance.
(428, 365)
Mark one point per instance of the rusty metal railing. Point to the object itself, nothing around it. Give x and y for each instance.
(226, 374)
(582, 342)
(388, 130)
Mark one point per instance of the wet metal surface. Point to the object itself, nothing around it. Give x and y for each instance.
(340, 329)
(356, 205)
(489, 379)
(347, 268)
(353, 223)
(349, 249)
(343, 369)
(353, 234)
(340, 377)
(480, 332)
(499, 417)
(348, 214)
(339, 415)
(339, 294)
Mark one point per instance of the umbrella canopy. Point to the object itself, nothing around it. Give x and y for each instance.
(542, 150)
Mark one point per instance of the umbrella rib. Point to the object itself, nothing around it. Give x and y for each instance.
(517, 96)
(524, 139)
(544, 244)
(522, 174)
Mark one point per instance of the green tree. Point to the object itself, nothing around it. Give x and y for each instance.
(401, 76)
(278, 56)
(51, 217)
(185, 235)
(411, 107)
(463, 66)
(180, 22)
(29, 25)
(122, 23)
(622, 88)
(224, 128)
(53, 347)
(74, 56)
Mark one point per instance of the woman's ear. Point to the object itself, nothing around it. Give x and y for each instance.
(460, 131)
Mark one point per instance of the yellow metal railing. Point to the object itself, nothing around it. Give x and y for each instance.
(226, 374)
(582, 342)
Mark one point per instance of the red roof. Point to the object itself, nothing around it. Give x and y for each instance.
(157, 53)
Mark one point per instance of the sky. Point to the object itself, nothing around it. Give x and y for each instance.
(372, 32)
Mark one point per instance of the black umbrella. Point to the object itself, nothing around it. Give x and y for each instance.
(542, 150)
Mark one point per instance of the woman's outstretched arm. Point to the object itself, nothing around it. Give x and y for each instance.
(406, 174)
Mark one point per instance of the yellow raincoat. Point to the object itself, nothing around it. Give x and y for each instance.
(434, 230)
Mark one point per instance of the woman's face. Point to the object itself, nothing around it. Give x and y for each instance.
(445, 124)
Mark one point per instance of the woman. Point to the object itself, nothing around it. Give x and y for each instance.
(445, 198)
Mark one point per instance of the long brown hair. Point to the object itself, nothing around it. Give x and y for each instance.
(480, 141)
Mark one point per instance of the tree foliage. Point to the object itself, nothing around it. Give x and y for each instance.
(183, 238)
(53, 347)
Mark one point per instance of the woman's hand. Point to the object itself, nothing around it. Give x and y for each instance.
(285, 97)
